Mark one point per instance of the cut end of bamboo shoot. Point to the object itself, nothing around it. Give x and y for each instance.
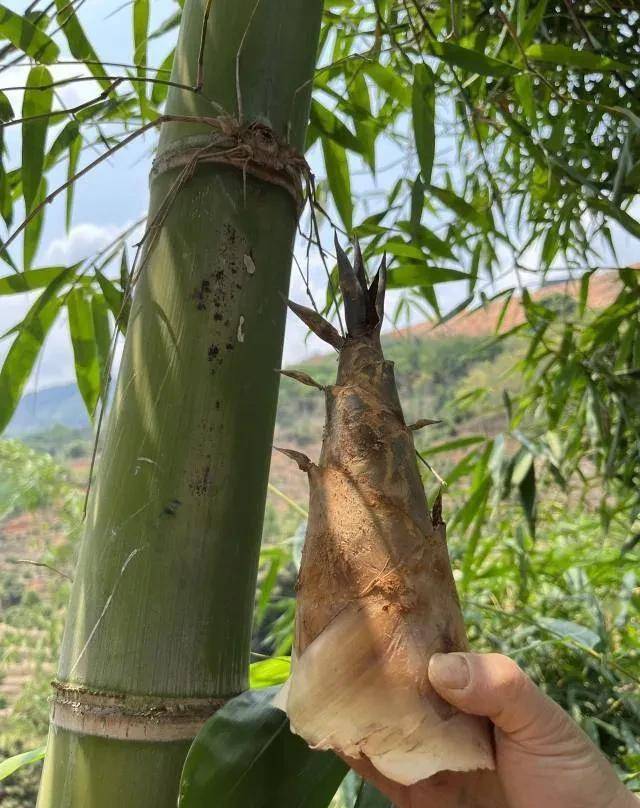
(363, 697)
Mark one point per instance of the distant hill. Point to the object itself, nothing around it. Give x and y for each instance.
(483, 321)
(63, 406)
(53, 406)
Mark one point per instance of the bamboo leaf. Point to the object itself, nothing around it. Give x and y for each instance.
(335, 161)
(424, 117)
(116, 301)
(568, 629)
(457, 443)
(245, 756)
(24, 350)
(523, 86)
(79, 45)
(75, 147)
(391, 82)
(140, 31)
(63, 140)
(6, 110)
(26, 37)
(417, 205)
(623, 218)
(364, 122)
(102, 331)
(33, 230)
(568, 57)
(26, 281)
(527, 492)
(269, 672)
(159, 91)
(401, 249)
(124, 270)
(266, 587)
(481, 217)
(11, 764)
(427, 239)
(471, 60)
(330, 126)
(36, 102)
(414, 275)
(531, 22)
(85, 351)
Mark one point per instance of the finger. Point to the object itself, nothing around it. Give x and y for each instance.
(493, 685)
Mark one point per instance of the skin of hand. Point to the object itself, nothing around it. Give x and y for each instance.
(543, 759)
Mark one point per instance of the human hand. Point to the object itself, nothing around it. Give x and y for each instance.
(544, 760)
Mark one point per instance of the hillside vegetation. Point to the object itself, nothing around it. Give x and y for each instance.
(563, 599)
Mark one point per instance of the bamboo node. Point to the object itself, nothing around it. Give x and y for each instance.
(122, 716)
(253, 148)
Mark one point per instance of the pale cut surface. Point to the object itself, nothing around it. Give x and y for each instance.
(347, 682)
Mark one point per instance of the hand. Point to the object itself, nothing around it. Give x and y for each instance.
(544, 760)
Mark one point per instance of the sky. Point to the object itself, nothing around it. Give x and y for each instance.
(115, 195)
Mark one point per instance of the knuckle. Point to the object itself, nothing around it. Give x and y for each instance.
(513, 680)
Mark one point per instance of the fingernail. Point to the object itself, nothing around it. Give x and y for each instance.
(450, 671)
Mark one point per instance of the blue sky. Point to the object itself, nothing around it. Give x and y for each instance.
(115, 194)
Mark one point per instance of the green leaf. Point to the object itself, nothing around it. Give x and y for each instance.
(245, 756)
(574, 631)
(364, 122)
(75, 147)
(159, 91)
(417, 205)
(124, 270)
(79, 45)
(531, 22)
(401, 249)
(62, 142)
(25, 348)
(335, 161)
(427, 239)
(26, 37)
(568, 57)
(102, 331)
(85, 351)
(118, 304)
(390, 81)
(6, 110)
(423, 104)
(34, 132)
(471, 60)
(26, 281)
(140, 31)
(623, 218)
(269, 672)
(33, 230)
(456, 443)
(523, 86)
(527, 492)
(370, 797)
(414, 275)
(480, 217)
(11, 764)
(333, 128)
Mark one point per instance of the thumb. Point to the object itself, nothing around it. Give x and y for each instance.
(493, 685)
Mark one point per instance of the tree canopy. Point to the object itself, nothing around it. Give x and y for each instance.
(511, 134)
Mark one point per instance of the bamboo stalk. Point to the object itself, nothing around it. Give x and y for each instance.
(159, 623)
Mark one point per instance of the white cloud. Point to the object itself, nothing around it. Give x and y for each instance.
(80, 242)
(69, 94)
